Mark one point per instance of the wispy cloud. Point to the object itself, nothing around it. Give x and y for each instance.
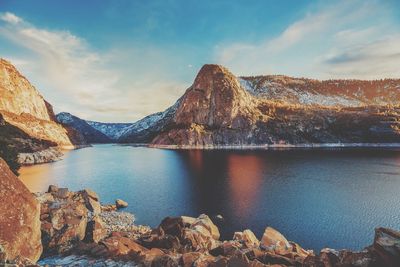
(83, 81)
(10, 18)
(344, 39)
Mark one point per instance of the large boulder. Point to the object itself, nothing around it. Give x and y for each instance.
(20, 234)
(275, 241)
(247, 237)
(387, 246)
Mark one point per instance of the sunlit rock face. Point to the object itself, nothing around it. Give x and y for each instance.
(216, 100)
(18, 95)
(23, 106)
(20, 234)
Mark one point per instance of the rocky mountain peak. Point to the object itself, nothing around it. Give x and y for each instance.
(215, 99)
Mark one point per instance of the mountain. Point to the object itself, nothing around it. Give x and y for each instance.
(89, 134)
(28, 119)
(144, 130)
(112, 130)
(219, 109)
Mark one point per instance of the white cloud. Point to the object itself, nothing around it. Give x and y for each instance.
(76, 78)
(10, 18)
(302, 49)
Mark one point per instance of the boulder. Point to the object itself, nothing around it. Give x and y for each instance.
(164, 261)
(273, 240)
(62, 193)
(20, 234)
(387, 246)
(121, 204)
(188, 259)
(52, 189)
(247, 238)
(205, 221)
(120, 246)
(95, 230)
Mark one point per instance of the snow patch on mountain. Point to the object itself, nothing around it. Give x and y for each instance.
(112, 130)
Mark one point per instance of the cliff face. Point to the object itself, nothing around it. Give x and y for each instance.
(218, 110)
(23, 106)
(18, 95)
(20, 234)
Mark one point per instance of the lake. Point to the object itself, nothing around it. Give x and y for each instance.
(326, 197)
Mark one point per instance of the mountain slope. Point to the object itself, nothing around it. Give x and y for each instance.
(326, 93)
(111, 130)
(90, 134)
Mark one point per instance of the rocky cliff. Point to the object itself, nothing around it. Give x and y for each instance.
(20, 235)
(28, 119)
(217, 110)
(23, 106)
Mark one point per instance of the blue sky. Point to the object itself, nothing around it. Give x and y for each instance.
(122, 60)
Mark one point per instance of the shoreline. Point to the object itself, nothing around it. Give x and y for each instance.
(276, 146)
(78, 229)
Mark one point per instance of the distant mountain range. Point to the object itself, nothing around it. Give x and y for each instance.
(219, 109)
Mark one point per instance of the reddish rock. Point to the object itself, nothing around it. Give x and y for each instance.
(121, 204)
(95, 230)
(387, 246)
(247, 237)
(20, 234)
(275, 241)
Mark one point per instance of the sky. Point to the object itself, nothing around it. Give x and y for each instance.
(118, 61)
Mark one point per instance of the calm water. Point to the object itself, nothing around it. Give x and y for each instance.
(318, 198)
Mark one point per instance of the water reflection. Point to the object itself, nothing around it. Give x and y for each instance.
(245, 175)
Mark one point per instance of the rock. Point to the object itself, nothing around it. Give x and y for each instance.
(164, 261)
(61, 193)
(247, 237)
(270, 258)
(205, 221)
(329, 257)
(238, 260)
(151, 255)
(299, 251)
(188, 259)
(199, 234)
(227, 248)
(20, 234)
(95, 230)
(273, 240)
(387, 246)
(119, 246)
(52, 189)
(109, 207)
(121, 204)
(91, 194)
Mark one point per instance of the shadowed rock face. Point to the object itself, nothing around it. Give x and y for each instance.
(19, 221)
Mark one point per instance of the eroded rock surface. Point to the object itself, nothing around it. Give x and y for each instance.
(20, 235)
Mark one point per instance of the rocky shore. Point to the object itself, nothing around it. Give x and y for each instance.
(77, 230)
